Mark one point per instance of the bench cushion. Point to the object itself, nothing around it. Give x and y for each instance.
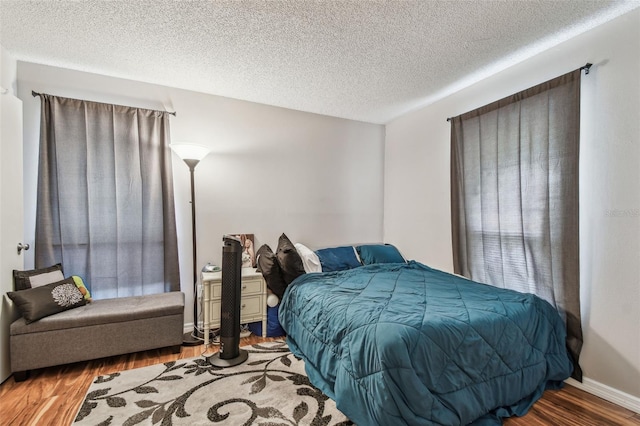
(106, 311)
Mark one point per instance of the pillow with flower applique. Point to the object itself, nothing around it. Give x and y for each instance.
(49, 299)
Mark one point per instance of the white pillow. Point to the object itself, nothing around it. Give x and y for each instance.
(310, 260)
(46, 278)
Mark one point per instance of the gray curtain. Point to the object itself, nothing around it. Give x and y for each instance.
(105, 206)
(514, 196)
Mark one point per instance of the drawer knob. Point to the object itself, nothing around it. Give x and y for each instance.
(244, 286)
(243, 305)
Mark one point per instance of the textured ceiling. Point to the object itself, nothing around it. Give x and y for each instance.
(363, 60)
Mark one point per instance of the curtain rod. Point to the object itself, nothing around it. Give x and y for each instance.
(586, 69)
(34, 94)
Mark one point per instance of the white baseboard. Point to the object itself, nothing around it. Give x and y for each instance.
(608, 393)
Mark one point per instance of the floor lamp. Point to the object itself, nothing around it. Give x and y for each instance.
(192, 154)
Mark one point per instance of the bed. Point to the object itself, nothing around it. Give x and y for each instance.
(402, 343)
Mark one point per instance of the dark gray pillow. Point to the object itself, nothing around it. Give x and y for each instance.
(49, 299)
(22, 279)
(289, 260)
(270, 269)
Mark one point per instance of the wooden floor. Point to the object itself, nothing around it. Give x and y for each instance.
(52, 396)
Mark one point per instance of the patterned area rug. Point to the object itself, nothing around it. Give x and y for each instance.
(269, 389)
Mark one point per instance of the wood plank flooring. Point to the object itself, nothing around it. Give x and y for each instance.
(52, 396)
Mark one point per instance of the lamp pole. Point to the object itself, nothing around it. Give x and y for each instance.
(192, 154)
(193, 339)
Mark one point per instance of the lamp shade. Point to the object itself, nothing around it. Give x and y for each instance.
(189, 151)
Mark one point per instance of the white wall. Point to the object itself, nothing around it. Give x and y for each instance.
(417, 197)
(7, 71)
(272, 170)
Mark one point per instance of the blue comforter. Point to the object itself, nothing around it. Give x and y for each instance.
(398, 344)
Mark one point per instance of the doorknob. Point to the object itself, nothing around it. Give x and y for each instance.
(22, 247)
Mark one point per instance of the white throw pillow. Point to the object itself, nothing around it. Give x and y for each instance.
(46, 278)
(310, 260)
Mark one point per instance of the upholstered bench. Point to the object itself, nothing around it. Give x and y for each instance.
(98, 329)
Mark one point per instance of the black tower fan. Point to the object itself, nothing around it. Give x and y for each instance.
(230, 353)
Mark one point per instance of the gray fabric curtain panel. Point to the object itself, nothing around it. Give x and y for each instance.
(105, 205)
(514, 196)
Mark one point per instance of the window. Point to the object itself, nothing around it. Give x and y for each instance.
(514, 192)
(105, 197)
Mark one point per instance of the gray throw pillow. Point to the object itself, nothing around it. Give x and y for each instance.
(268, 265)
(289, 260)
(23, 280)
(49, 299)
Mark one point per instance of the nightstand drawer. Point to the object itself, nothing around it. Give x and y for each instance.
(251, 287)
(214, 313)
(216, 290)
(247, 287)
(250, 306)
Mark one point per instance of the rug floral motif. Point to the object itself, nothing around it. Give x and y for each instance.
(269, 389)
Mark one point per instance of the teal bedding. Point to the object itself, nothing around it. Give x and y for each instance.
(405, 344)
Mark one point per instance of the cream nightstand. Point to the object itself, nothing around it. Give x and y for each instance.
(253, 302)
